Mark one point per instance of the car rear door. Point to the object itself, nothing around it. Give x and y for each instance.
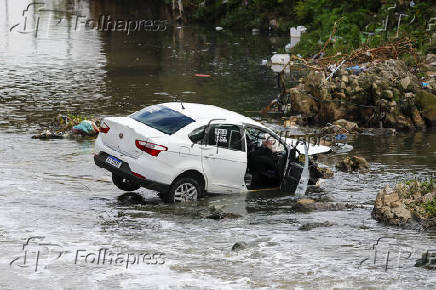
(224, 158)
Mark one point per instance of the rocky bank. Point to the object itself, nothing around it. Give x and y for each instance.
(374, 94)
(409, 203)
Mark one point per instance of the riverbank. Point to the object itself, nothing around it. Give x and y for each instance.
(373, 90)
(347, 24)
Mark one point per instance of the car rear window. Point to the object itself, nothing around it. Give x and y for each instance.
(162, 118)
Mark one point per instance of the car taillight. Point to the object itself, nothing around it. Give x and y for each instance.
(138, 175)
(104, 128)
(150, 148)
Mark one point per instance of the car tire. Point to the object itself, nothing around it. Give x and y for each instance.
(124, 183)
(183, 189)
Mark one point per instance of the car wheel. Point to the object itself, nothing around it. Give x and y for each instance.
(124, 183)
(184, 189)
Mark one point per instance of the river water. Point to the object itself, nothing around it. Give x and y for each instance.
(59, 210)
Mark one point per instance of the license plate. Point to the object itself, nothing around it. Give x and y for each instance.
(114, 161)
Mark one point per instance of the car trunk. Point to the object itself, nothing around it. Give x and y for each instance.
(123, 131)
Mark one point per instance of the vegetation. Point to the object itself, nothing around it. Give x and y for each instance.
(358, 22)
(421, 188)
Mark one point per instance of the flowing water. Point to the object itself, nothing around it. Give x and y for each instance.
(58, 211)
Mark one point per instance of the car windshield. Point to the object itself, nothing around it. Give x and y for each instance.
(162, 118)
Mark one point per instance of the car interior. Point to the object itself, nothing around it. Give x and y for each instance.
(266, 155)
(266, 159)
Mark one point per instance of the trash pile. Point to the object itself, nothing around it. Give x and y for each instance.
(69, 126)
(392, 50)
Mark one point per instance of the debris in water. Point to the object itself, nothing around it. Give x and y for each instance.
(355, 163)
(85, 128)
(67, 125)
(131, 198)
(310, 226)
(239, 246)
(223, 215)
(47, 134)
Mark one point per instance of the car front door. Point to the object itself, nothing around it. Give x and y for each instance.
(224, 158)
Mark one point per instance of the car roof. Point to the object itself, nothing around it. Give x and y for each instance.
(204, 113)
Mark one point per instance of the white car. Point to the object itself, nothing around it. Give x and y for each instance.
(183, 150)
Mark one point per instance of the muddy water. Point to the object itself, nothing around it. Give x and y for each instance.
(52, 191)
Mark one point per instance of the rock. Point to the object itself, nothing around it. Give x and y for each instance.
(47, 134)
(426, 101)
(331, 111)
(427, 261)
(313, 83)
(324, 93)
(379, 131)
(409, 96)
(388, 94)
(396, 120)
(405, 82)
(344, 79)
(355, 83)
(417, 120)
(406, 204)
(343, 86)
(310, 226)
(317, 172)
(355, 163)
(131, 198)
(340, 95)
(304, 205)
(223, 215)
(333, 129)
(349, 126)
(387, 210)
(404, 123)
(308, 205)
(392, 106)
(239, 246)
(302, 103)
(326, 172)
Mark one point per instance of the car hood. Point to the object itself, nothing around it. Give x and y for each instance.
(313, 149)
